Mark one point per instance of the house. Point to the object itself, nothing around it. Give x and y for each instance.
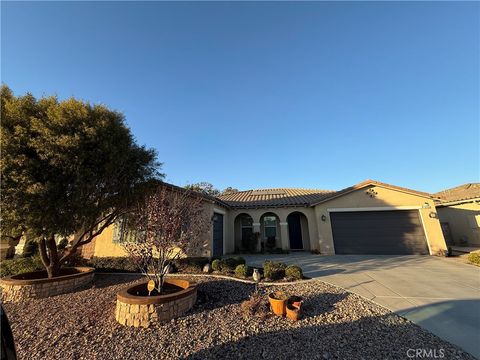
(368, 218)
(459, 212)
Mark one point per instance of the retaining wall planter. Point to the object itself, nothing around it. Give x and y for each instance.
(35, 285)
(135, 308)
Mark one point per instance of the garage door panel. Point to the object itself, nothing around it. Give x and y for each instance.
(378, 232)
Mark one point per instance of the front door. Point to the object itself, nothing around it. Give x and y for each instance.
(295, 232)
(217, 234)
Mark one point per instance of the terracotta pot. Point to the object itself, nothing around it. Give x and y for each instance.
(296, 301)
(293, 313)
(278, 302)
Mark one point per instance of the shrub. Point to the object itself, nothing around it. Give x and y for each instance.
(243, 271)
(294, 272)
(228, 265)
(20, 265)
(112, 264)
(216, 265)
(30, 248)
(239, 260)
(190, 264)
(256, 306)
(274, 270)
(474, 258)
(76, 259)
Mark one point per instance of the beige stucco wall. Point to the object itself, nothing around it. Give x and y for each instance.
(461, 219)
(104, 246)
(385, 198)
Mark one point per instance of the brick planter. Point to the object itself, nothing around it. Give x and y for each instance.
(35, 285)
(136, 310)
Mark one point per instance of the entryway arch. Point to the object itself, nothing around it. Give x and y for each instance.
(298, 231)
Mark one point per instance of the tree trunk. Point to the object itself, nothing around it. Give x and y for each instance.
(53, 264)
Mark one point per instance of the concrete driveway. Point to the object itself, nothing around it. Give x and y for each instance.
(440, 294)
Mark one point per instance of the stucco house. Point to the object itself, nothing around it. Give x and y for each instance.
(459, 212)
(368, 218)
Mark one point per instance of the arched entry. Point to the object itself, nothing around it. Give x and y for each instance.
(270, 231)
(243, 232)
(297, 230)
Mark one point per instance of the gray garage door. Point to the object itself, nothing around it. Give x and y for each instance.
(396, 232)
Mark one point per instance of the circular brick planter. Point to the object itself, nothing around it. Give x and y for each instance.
(137, 310)
(35, 285)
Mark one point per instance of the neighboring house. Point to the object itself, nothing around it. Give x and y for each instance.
(368, 218)
(459, 212)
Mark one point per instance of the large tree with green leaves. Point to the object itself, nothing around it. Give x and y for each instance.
(204, 188)
(68, 168)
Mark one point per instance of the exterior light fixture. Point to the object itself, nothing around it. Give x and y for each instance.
(433, 215)
(324, 218)
(426, 205)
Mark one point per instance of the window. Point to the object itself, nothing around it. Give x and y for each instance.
(119, 231)
(270, 226)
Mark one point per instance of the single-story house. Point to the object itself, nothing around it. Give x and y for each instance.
(368, 218)
(459, 212)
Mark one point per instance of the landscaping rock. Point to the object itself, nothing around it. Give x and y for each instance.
(336, 325)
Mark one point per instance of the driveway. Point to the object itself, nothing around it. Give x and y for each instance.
(440, 294)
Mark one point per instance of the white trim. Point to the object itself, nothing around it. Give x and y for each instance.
(383, 208)
(284, 223)
(219, 211)
(425, 232)
(256, 224)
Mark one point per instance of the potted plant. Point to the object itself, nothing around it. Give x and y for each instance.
(278, 302)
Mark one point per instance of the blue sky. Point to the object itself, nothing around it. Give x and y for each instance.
(268, 94)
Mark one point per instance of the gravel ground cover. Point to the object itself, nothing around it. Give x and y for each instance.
(336, 325)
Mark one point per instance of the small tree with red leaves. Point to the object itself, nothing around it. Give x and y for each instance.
(170, 223)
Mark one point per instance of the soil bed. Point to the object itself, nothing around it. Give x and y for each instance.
(336, 325)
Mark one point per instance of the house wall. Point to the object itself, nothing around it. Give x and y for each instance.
(385, 198)
(105, 247)
(463, 220)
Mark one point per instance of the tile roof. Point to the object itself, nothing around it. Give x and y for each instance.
(299, 197)
(459, 193)
(274, 197)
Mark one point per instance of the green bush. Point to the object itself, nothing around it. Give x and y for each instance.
(228, 265)
(30, 248)
(239, 260)
(293, 272)
(190, 264)
(243, 271)
(20, 265)
(216, 265)
(474, 258)
(112, 264)
(274, 270)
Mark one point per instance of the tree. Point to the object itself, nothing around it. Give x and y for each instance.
(169, 223)
(229, 190)
(69, 169)
(204, 188)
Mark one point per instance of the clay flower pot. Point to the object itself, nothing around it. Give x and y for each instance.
(296, 301)
(278, 302)
(293, 313)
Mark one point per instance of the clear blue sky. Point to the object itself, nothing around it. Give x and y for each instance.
(254, 95)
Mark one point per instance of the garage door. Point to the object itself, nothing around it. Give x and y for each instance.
(396, 232)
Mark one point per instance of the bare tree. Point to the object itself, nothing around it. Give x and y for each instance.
(169, 224)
